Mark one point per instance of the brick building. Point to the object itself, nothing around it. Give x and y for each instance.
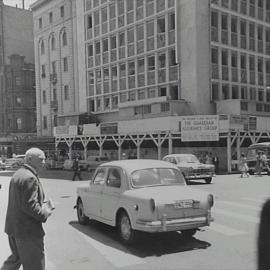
(17, 79)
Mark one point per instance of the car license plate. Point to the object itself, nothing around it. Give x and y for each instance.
(183, 204)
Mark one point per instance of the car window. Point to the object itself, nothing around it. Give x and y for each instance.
(99, 178)
(188, 159)
(156, 177)
(114, 178)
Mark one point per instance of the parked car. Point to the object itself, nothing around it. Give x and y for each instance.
(15, 162)
(92, 162)
(253, 150)
(143, 195)
(191, 167)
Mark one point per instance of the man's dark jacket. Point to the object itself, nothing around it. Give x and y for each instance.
(25, 213)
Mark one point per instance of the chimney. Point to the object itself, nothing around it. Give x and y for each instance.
(23, 4)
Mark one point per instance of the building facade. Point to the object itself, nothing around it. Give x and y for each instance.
(55, 62)
(141, 59)
(240, 56)
(17, 78)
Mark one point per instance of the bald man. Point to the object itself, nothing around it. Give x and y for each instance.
(26, 212)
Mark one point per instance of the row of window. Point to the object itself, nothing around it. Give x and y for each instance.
(160, 61)
(110, 102)
(53, 68)
(52, 42)
(259, 9)
(54, 94)
(239, 67)
(51, 17)
(242, 33)
(120, 8)
(17, 122)
(136, 40)
(97, 86)
(231, 91)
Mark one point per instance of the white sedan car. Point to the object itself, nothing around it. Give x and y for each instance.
(191, 167)
(143, 195)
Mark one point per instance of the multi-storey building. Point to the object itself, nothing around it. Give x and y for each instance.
(240, 56)
(17, 92)
(20, 96)
(55, 62)
(145, 58)
(141, 59)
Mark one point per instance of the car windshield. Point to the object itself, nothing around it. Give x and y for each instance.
(252, 152)
(156, 177)
(188, 159)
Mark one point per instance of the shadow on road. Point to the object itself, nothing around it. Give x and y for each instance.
(148, 245)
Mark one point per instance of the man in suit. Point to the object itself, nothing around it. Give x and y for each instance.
(76, 168)
(25, 213)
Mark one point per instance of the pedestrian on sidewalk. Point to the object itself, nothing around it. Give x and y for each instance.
(243, 167)
(259, 163)
(216, 163)
(26, 212)
(76, 168)
(265, 163)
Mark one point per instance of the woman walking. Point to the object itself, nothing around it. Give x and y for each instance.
(243, 167)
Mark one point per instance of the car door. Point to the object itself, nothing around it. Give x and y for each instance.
(111, 193)
(93, 197)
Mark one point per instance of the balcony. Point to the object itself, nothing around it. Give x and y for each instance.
(53, 78)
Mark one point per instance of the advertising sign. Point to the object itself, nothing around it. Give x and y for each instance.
(199, 128)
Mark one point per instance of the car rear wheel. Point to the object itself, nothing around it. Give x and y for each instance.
(126, 233)
(208, 180)
(188, 233)
(82, 218)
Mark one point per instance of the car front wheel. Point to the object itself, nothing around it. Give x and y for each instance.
(82, 218)
(208, 180)
(126, 233)
(188, 233)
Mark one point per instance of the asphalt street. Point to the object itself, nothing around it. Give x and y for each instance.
(230, 243)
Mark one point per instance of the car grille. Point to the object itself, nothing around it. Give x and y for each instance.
(201, 171)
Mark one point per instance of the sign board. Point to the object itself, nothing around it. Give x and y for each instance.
(199, 128)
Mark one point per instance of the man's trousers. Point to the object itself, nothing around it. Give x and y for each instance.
(26, 252)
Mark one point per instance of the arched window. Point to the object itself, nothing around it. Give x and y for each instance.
(53, 43)
(64, 38)
(42, 48)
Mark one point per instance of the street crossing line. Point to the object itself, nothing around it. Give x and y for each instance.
(225, 229)
(235, 215)
(250, 207)
(115, 256)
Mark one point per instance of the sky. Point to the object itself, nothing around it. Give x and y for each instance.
(27, 3)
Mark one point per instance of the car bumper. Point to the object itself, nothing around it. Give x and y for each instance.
(199, 176)
(165, 225)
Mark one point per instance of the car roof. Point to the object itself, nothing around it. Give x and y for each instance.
(20, 156)
(131, 165)
(179, 155)
(267, 144)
